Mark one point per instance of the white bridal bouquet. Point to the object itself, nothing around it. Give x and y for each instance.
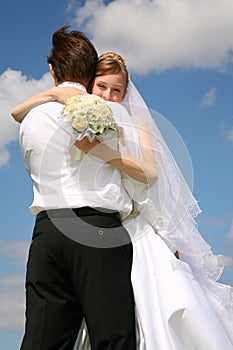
(89, 116)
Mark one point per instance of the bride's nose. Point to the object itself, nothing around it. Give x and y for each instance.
(107, 94)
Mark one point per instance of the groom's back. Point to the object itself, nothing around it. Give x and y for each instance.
(46, 148)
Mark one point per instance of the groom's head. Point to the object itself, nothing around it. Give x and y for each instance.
(73, 57)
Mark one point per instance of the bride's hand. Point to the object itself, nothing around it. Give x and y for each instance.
(85, 145)
(61, 94)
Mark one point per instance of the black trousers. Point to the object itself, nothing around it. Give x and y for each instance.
(68, 280)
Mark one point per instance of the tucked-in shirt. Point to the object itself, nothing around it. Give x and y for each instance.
(59, 179)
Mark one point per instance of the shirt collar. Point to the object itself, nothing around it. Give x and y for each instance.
(74, 84)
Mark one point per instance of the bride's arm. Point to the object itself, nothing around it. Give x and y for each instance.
(146, 144)
(59, 94)
(142, 170)
(147, 151)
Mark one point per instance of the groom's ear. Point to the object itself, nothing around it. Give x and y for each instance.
(52, 71)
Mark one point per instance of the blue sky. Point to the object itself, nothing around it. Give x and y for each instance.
(180, 57)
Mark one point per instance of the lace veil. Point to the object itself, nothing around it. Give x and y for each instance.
(168, 205)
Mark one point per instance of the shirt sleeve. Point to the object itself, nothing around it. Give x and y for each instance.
(39, 129)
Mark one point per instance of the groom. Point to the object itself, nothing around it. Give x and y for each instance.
(70, 276)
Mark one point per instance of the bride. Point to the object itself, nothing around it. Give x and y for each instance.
(179, 303)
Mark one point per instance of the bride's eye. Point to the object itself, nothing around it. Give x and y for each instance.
(101, 86)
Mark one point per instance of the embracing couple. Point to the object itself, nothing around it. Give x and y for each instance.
(114, 244)
(80, 258)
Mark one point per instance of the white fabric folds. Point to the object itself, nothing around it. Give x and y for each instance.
(167, 210)
(180, 304)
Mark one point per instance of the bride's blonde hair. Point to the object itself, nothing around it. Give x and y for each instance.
(111, 63)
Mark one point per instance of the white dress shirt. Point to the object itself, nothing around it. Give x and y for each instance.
(59, 180)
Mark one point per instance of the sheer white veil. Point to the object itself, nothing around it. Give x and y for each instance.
(169, 205)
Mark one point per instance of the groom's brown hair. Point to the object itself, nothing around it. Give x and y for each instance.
(73, 56)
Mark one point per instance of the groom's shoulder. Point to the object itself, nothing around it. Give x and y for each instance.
(43, 114)
(116, 106)
(48, 108)
(118, 110)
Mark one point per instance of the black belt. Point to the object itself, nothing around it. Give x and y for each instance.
(71, 212)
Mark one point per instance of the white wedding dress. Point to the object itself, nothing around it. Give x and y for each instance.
(173, 310)
(179, 303)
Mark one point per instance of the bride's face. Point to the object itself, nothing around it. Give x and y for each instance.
(110, 87)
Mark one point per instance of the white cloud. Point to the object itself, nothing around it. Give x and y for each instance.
(14, 88)
(4, 156)
(228, 261)
(12, 291)
(226, 130)
(12, 302)
(161, 34)
(230, 233)
(16, 250)
(230, 135)
(209, 98)
(217, 221)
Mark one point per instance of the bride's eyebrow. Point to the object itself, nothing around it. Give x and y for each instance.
(118, 85)
(114, 85)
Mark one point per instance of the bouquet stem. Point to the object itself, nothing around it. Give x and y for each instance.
(78, 154)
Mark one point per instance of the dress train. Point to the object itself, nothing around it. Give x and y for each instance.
(173, 309)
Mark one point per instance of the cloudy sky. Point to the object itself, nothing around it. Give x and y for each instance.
(179, 54)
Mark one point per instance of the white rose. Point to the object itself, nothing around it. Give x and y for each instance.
(103, 110)
(80, 123)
